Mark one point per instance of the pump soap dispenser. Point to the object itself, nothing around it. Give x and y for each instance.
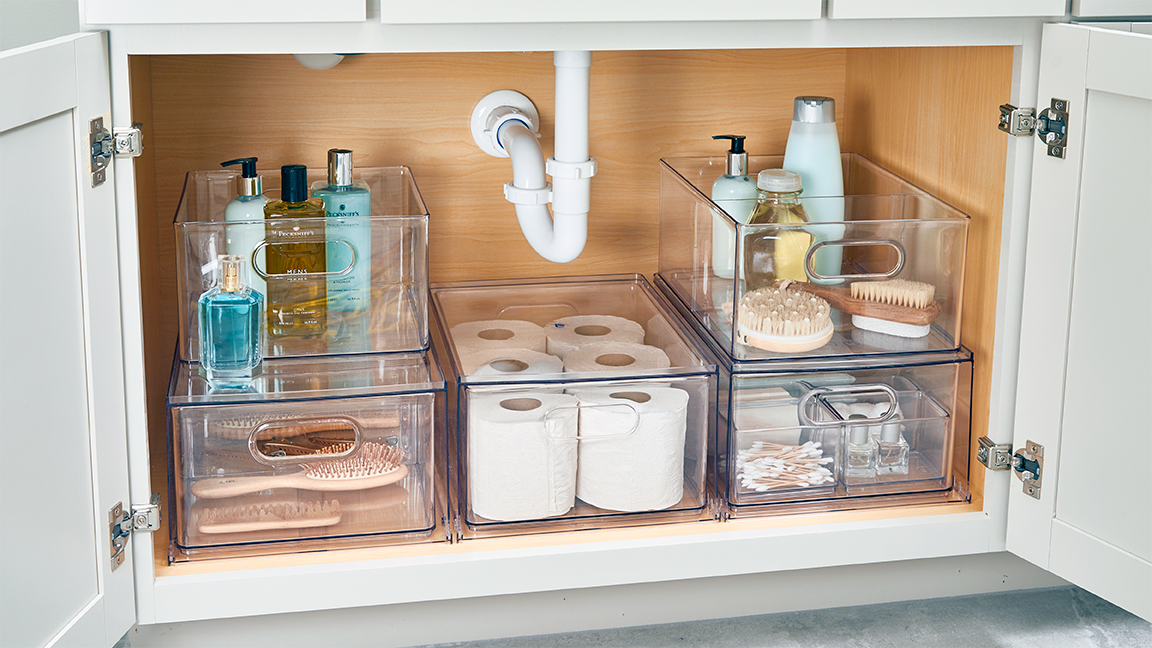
(734, 192)
(813, 151)
(247, 207)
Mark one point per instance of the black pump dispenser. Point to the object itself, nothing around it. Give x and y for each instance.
(737, 160)
(249, 181)
(293, 183)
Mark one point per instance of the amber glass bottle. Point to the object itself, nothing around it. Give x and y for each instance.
(296, 258)
(775, 253)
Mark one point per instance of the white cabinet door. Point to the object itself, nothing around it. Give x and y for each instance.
(63, 457)
(157, 12)
(1111, 8)
(943, 8)
(470, 11)
(1085, 378)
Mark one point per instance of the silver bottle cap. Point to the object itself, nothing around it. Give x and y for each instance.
(339, 167)
(248, 186)
(814, 110)
(737, 164)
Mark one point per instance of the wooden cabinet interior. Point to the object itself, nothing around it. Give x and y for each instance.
(924, 113)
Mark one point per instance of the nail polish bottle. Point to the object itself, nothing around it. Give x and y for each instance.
(860, 452)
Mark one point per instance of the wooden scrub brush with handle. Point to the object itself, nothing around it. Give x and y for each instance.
(896, 307)
(373, 465)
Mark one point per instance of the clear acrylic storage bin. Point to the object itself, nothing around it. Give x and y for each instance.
(884, 228)
(580, 403)
(803, 436)
(318, 453)
(395, 282)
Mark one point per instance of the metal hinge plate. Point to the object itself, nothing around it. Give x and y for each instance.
(1028, 465)
(103, 144)
(146, 517)
(121, 525)
(994, 456)
(1017, 121)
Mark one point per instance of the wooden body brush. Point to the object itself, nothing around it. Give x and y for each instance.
(784, 320)
(896, 307)
(253, 513)
(374, 465)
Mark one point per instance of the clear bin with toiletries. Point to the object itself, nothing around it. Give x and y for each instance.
(316, 453)
(577, 403)
(896, 255)
(331, 286)
(814, 437)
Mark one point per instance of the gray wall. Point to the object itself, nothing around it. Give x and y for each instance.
(23, 22)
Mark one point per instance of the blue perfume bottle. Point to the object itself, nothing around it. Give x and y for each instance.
(230, 332)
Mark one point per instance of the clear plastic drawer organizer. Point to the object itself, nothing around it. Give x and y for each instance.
(320, 453)
(883, 229)
(831, 434)
(579, 403)
(395, 276)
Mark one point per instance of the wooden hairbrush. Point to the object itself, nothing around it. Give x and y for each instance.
(373, 465)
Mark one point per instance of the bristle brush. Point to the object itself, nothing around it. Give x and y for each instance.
(784, 320)
(896, 307)
(373, 465)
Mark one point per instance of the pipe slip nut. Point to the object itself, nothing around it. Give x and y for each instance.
(518, 196)
(571, 170)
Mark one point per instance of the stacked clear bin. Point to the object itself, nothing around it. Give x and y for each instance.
(397, 317)
(332, 443)
(329, 451)
(891, 230)
(867, 419)
(548, 444)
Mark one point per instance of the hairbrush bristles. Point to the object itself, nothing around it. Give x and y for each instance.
(373, 459)
(260, 517)
(899, 292)
(780, 319)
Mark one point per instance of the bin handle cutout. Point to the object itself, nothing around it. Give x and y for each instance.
(809, 264)
(263, 272)
(537, 307)
(306, 443)
(580, 406)
(820, 393)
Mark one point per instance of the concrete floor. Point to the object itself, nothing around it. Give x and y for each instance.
(1064, 617)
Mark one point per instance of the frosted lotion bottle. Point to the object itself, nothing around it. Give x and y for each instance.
(813, 151)
(734, 192)
(229, 318)
(347, 206)
(248, 207)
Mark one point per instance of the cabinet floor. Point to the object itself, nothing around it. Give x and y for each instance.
(1064, 617)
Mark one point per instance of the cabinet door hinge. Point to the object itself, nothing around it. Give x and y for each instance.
(1051, 125)
(121, 524)
(122, 142)
(1017, 121)
(994, 456)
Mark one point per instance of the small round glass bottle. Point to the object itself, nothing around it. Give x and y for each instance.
(772, 253)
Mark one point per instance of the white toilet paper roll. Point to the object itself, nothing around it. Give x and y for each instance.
(510, 363)
(521, 455)
(483, 335)
(569, 333)
(641, 471)
(616, 356)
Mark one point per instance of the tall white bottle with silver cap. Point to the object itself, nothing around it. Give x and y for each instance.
(347, 205)
(813, 151)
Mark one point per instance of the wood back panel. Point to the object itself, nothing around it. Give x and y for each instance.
(926, 115)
